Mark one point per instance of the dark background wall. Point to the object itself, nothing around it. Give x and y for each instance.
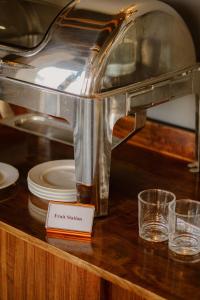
(190, 11)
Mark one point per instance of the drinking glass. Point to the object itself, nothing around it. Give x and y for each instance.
(153, 214)
(184, 227)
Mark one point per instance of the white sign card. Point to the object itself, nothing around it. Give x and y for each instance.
(70, 218)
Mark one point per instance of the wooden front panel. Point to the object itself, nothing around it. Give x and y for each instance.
(29, 272)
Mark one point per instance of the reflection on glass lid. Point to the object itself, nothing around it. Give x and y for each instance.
(24, 23)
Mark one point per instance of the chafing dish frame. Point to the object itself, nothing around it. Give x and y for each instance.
(91, 113)
(92, 133)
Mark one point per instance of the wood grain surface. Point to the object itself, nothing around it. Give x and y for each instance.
(116, 264)
(160, 138)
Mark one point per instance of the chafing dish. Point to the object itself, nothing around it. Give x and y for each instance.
(93, 63)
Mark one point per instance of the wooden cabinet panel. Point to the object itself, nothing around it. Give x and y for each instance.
(29, 272)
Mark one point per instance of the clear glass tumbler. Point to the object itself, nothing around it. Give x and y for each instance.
(184, 227)
(153, 214)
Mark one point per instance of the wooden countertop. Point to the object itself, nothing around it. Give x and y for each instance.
(115, 252)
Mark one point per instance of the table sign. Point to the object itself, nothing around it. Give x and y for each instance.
(70, 219)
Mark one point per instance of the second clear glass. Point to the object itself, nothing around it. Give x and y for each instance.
(184, 227)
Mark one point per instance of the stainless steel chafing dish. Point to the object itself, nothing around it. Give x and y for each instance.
(93, 63)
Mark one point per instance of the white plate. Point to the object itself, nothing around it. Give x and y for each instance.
(8, 175)
(56, 175)
(65, 198)
(43, 190)
(53, 198)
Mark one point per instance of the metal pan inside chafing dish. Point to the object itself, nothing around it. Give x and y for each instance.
(42, 125)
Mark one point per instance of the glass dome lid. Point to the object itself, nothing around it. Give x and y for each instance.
(25, 23)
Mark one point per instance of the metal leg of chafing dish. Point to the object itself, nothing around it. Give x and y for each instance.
(92, 152)
(195, 166)
(197, 132)
(93, 133)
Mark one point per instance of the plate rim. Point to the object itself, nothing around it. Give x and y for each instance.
(47, 191)
(51, 199)
(10, 179)
(31, 173)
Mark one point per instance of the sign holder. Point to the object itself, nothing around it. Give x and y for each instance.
(70, 219)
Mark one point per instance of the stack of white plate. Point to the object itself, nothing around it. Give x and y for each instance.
(53, 180)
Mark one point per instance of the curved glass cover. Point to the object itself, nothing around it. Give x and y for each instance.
(24, 23)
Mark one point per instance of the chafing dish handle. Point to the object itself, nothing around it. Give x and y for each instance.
(7, 66)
